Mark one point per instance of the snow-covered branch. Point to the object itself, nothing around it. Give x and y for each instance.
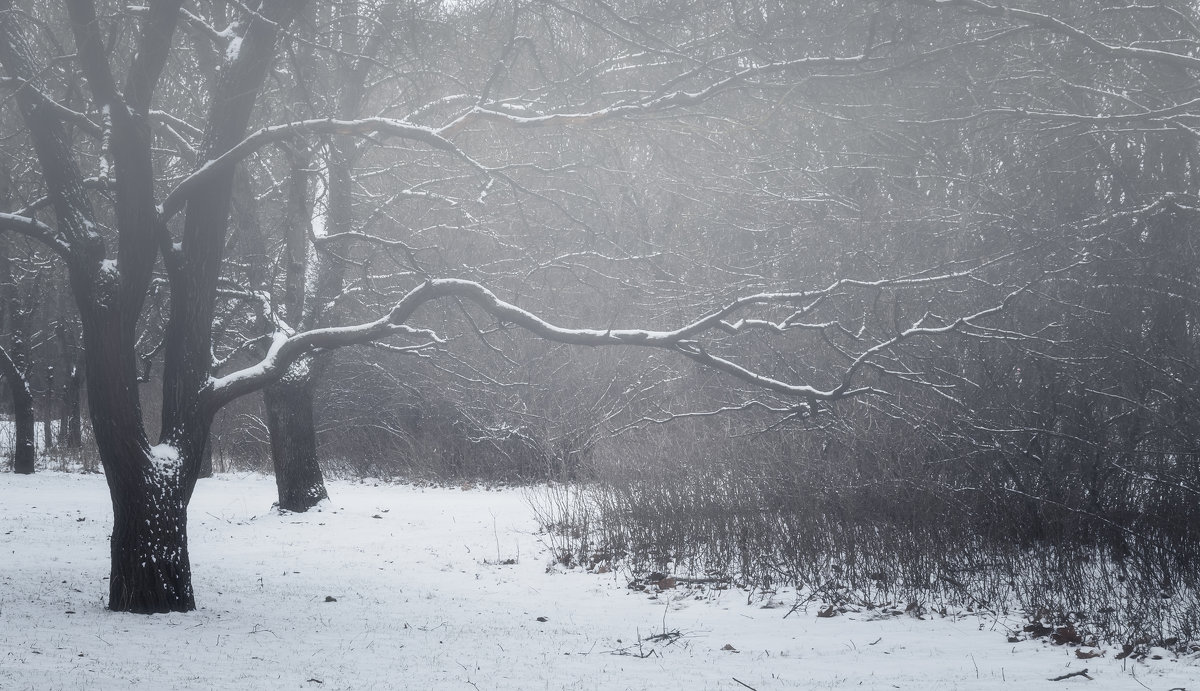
(32, 228)
(287, 348)
(66, 114)
(657, 103)
(384, 127)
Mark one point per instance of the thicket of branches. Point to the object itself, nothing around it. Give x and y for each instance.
(1051, 460)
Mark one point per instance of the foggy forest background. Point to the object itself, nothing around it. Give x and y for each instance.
(994, 207)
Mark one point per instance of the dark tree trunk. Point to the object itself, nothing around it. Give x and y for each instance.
(206, 461)
(14, 359)
(48, 411)
(150, 568)
(72, 431)
(289, 404)
(24, 453)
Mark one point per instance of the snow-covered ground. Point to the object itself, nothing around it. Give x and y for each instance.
(397, 587)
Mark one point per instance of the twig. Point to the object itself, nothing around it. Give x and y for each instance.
(743, 683)
(1081, 673)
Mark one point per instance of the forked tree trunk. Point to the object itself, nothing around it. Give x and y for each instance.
(289, 404)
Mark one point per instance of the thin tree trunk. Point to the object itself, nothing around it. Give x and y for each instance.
(12, 367)
(24, 453)
(72, 432)
(48, 411)
(289, 404)
(13, 364)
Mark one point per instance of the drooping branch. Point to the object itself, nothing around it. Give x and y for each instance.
(286, 348)
(32, 228)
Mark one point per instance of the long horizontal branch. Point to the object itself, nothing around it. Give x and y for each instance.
(674, 99)
(286, 348)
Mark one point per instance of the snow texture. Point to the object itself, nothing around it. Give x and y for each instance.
(165, 460)
(233, 49)
(396, 587)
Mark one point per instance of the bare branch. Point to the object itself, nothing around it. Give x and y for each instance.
(223, 164)
(32, 228)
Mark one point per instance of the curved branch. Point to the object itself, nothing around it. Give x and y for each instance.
(285, 348)
(33, 228)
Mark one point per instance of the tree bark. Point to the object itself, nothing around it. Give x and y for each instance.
(48, 411)
(14, 358)
(206, 460)
(24, 453)
(150, 568)
(72, 432)
(289, 404)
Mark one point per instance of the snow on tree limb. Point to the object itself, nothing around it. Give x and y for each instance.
(286, 348)
(223, 164)
(32, 228)
(659, 102)
(79, 119)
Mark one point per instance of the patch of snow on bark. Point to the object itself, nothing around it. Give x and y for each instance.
(232, 50)
(165, 460)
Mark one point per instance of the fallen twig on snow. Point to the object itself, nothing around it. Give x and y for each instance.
(1081, 673)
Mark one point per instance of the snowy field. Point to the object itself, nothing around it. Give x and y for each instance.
(396, 587)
